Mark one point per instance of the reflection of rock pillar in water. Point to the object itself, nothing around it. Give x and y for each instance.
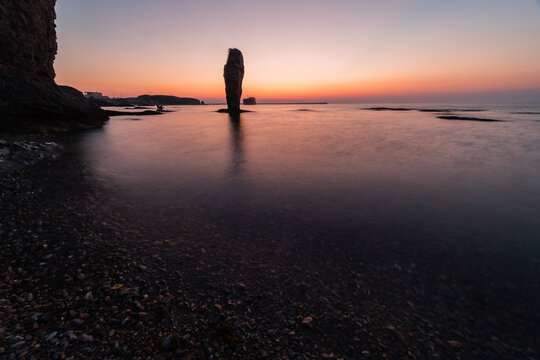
(233, 72)
(237, 143)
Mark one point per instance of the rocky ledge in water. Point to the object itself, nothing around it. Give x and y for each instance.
(136, 113)
(382, 108)
(455, 117)
(30, 100)
(449, 110)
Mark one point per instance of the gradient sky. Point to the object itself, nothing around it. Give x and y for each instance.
(339, 50)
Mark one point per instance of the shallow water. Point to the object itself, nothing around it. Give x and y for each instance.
(282, 168)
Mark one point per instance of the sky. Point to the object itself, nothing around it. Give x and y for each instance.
(312, 50)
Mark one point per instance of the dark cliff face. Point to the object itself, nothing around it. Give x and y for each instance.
(28, 40)
(29, 97)
(233, 73)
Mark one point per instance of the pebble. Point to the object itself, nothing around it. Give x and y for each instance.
(78, 321)
(17, 344)
(166, 344)
(15, 339)
(51, 336)
(86, 338)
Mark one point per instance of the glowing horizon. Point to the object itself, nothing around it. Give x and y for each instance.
(307, 50)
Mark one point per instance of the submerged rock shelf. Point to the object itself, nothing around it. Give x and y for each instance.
(455, 117)
(136, 113)
(420, 109)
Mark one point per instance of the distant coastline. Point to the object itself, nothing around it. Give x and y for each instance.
(293, 103)
(141, 100)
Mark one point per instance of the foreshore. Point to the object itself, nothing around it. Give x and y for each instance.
(81, 278)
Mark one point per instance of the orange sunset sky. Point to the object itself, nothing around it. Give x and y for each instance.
(341, 50)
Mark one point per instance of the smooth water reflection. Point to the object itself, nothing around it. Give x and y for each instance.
(237, 138)
(335, 164)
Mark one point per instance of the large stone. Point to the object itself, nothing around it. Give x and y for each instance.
(29, 97)
(233, 73)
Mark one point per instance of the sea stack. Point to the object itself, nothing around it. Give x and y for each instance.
(233, 72)
(29, 97)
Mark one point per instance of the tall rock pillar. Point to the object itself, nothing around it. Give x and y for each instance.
(233, 72)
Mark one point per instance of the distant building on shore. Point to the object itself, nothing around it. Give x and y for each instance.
(250, 101)
(95, 95)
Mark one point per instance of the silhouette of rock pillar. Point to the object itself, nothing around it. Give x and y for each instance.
(233, 72)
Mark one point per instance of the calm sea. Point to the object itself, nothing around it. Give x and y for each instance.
(329, 169)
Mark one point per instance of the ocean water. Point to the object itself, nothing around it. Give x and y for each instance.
(340, 172)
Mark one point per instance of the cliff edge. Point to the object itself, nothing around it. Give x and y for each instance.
(29, 98)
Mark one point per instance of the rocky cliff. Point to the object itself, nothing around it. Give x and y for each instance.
(233, 72)
(29, 97)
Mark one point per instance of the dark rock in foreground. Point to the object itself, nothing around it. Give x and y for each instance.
(29, 98)
(233, 72)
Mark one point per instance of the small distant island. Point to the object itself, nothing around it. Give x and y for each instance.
(99, 99)
(249, 101)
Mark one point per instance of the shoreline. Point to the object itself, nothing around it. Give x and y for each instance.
(18, 151)
(83, 277)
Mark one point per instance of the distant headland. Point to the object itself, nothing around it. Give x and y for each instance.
(99, 99)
